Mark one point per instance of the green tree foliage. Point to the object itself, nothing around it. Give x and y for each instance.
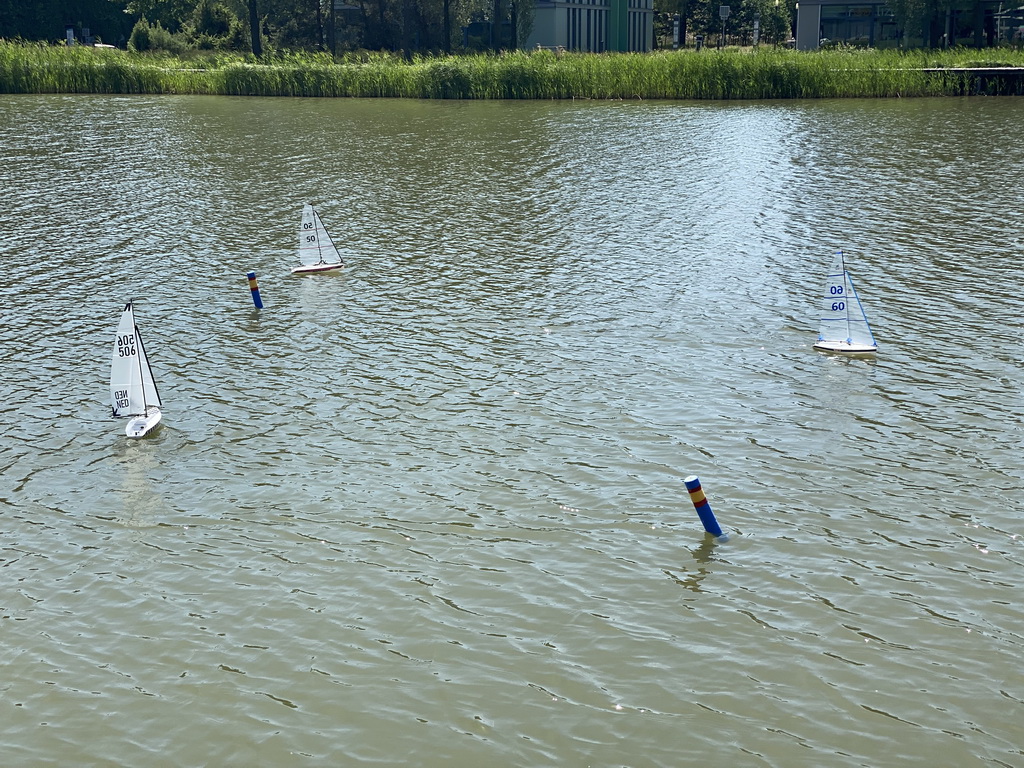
(701, 17)
(212, 18)
(148, 37)
(215, 26)
(293, 24)
(913, 17)
(428, 25)
(140, 40)
(46, 20)
(170, 14)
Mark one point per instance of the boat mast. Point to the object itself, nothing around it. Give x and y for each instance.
(142, 372)
(846, 295)
(318, 227)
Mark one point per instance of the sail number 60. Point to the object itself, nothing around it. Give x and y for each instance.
(838, 306)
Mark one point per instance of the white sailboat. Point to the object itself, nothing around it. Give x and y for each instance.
(317, 250)
(133, 391)
(844, 327)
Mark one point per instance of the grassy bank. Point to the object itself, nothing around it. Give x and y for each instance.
(709, 74)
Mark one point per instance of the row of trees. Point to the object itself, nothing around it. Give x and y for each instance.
(46, 19)
(408, 25)
(310, 25)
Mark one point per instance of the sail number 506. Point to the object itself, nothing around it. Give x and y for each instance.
(126, 345)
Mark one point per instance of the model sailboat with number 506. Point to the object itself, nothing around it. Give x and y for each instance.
(133, 391)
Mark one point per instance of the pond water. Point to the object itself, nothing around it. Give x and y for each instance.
(431, 511)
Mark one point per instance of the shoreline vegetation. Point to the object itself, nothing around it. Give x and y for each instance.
(765, 73)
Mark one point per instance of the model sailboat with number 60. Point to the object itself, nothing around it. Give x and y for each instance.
(844, 327)
(133, 391)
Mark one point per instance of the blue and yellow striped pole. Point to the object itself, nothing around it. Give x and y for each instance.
(255, 290)
(703, 507)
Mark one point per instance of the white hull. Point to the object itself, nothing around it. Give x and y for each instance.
(309, 269)
(842, 346)
(138, 426)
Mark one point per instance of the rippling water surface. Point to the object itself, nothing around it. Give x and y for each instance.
(430, 511)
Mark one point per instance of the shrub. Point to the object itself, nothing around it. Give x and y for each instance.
(212, 18)
(139, 40)
(153, 37)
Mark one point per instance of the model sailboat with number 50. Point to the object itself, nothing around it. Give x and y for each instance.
(133, 391)
(317, 250)
(844, 327)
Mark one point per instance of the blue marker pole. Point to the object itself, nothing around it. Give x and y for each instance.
(700, 503)
(255, 290)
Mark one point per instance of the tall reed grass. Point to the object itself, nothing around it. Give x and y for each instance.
(767, 73)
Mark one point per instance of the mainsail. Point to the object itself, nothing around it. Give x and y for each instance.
(132, 389)
(315, 243)
(842, 316)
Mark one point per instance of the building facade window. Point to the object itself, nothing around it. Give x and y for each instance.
(867, 25)
(593, 25)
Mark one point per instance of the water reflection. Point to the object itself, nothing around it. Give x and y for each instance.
(703, 555)
(142, 502)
